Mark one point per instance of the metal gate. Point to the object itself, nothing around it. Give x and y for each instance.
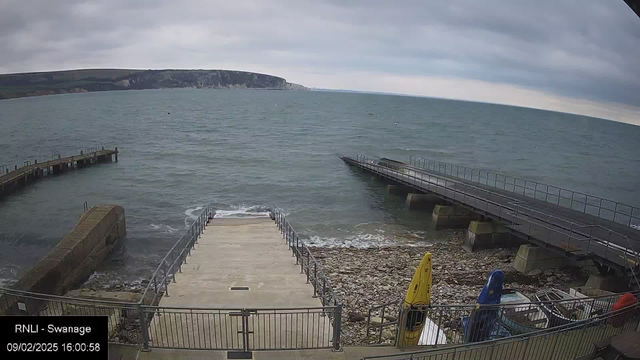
(242, 330)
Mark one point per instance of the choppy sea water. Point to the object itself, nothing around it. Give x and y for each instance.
(246, 150)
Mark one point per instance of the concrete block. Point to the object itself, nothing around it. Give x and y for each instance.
(531, 257)
(443, 210)
(486, 234)
(608, 283)
(397, 190)
(421, 201)
(453, 217)
(481, 227)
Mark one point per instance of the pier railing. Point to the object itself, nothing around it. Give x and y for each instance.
(447, 325)
(589, 204)
(309, 266)
(243, 330)
(172, 262)
(565, 342)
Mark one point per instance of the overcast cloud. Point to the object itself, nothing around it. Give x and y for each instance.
(576, 56)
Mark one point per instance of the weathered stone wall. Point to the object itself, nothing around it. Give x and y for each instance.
(98, 232)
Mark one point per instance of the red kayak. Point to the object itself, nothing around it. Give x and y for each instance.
(625, 300)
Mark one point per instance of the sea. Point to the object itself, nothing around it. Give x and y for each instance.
(245, 151)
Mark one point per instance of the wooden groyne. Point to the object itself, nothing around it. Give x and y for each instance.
(11, 180)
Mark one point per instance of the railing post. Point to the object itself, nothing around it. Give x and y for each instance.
(337, 324)
(608, 244)
(173, 267)
(144, 329)
(308, 266)
(155, 284)
(315, 279)
(402, 320)
(164, 280)
(324, 289)
(570, 235)
(438, 328)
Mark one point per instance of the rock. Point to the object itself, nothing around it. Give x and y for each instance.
(388, 334)
(534, 272)
(551, 279)
(548, 272)
(375, 320)
(355, 317)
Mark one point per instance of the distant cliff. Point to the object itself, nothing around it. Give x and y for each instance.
(75, 81)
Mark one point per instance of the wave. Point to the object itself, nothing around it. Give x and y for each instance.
(164, 228)
(189, 212)
(191, 216)
(243, 212)
(7, 282)
(360, 241)
(221, 211)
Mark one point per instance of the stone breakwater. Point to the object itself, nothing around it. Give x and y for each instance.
(366, 277)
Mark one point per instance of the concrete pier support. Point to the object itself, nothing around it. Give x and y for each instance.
(486, 234)
(422, 201)
(452, 217)
(531, 257)
(397, 190)
(611, 283)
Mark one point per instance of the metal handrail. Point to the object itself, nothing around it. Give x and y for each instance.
(165, 273)
(238, 308)
(458, 308)
(492, 179)
(302, 253)
(532, 303)
(440, 182)
(578, 325)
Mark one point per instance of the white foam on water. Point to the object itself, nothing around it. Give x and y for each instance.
(637, 227)
(242, 212)
(360, 241)
(6, 282)
(189, 212)
(110, 278)
(164, 228)
(191, 216)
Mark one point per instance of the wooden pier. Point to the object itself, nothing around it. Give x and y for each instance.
(11, 180)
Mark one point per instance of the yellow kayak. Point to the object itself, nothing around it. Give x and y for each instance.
(419, 293)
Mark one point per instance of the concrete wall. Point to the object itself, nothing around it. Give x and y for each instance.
(78, 254)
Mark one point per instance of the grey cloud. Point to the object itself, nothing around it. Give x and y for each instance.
(575, 48)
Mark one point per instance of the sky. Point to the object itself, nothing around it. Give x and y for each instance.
(573, 56)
